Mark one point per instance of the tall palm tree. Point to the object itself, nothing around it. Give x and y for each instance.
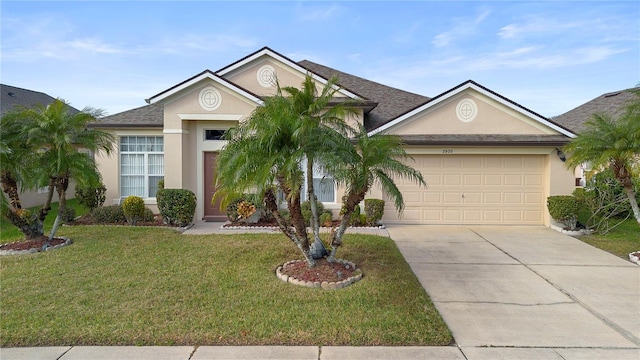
(611, 143)
(263, 156)
(63, 139)
(376, 159)
(322, 127)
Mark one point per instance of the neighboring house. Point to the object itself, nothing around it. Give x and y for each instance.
(486, 159)
(611, 104)
(11, 98)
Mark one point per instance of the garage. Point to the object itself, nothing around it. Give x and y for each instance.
(475, 189)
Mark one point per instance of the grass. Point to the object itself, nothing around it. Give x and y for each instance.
(620, 241)
(152, 286)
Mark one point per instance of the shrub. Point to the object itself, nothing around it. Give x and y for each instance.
(91, 197)
(112, 214)
(177, 206)
(133, 207)
(374, 210)
(306, 211)
(68, 215)
(148, 215)
(325, 219)
(564, 209)
(354, 220)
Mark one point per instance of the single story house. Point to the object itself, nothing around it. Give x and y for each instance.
(486, 159)
(11, 98)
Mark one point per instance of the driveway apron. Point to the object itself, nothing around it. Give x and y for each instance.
(524, 287)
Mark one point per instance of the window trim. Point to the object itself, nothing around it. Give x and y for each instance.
(146, 154)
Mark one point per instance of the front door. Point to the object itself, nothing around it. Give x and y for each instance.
(212, 211)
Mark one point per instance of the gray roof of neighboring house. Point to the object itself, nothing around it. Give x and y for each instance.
(14, 96)
(145, 116)
(392, 102)
(610, 104)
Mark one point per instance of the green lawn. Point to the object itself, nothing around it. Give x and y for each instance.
(620, 241)
(152, 286)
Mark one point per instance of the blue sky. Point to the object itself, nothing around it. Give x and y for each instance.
(548, 56)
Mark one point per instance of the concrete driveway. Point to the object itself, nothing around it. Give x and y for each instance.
(531, 289)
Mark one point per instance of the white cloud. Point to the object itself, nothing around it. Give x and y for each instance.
(535, 25)
(311, 13)
(463, 27)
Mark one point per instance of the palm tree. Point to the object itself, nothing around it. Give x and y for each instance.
(63, 139)
(611, 143)
(321, 127)
(375, 159)
(16, 173)
(263, 156)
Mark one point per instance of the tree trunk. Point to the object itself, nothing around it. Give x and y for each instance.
(634, 204)
(63, 185)
(10, 187)
(299, 235)
(311, 196)
(349, 204)
(47, 204)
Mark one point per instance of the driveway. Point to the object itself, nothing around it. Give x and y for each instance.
(526, 287)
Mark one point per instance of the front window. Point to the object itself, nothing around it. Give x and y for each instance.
(323, 185)
(141, 165)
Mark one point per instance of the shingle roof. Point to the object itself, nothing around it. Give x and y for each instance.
(148, 116)
(12, 96)
(610, 104)
(392, 102)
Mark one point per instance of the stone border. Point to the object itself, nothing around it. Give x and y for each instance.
(635, 258)
(580, 232)
(34, 250)
(276, 228)
(333, 285)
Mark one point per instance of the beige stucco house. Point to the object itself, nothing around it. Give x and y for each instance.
(486, 159)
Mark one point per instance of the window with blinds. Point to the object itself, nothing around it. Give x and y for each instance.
(141, 165)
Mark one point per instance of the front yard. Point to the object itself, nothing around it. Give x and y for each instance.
(620, 241)
(120, 285)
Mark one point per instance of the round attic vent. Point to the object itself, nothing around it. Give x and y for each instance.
(466, 110)
(266, 76)
(210, 98)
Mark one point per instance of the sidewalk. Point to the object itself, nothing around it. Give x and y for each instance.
(505, 293)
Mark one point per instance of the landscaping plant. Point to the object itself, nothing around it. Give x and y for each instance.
(307, 126)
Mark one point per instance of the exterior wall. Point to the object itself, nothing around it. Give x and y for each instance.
(35, 198)
(560, 180)
(492, 118)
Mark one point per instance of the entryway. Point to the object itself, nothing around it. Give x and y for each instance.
(212, 211)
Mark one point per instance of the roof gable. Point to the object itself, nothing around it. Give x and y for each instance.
(471, 87)
(268, 57)
(205, 75)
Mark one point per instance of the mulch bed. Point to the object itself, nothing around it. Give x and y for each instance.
(32, 244)
(323, 271)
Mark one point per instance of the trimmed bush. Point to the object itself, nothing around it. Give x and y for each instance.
(68, 215)
(374, 210)
(112, 214)
(177, 206)
(91, 197)
(354, 220)
(133, 208)
(325, 219)
(564, 209)
(306, 211)
(148, 215)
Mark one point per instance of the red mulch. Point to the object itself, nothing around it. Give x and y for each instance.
(323, 271)
(31, 244)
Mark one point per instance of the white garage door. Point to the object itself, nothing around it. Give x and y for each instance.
(474, 189)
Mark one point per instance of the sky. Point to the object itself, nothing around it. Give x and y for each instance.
(548, 56)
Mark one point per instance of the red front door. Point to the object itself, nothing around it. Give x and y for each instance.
(212, 211)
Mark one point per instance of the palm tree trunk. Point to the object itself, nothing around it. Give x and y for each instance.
(10, 187)
(63, 185)
(349, 205)
(315, 218)
(634, 204)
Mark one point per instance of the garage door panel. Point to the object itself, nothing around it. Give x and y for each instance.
(475, 189)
